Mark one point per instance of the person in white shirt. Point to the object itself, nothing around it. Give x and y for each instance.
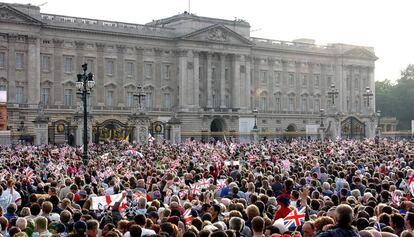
(9, 196)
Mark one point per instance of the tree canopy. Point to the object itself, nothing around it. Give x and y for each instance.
(397, 100)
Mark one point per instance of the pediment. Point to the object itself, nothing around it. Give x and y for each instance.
(360, 53)
(10, 14)
(217, 34)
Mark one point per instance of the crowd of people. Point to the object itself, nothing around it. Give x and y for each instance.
(218, 189)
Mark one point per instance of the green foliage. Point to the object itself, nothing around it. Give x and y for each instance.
(397, 100)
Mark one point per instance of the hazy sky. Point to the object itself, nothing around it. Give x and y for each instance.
(385, 25)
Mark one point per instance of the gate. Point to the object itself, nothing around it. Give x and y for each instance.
(352, 128)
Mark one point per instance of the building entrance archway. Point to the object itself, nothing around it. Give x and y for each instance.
(217, 128)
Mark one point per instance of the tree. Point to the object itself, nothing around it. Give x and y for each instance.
(397, 100)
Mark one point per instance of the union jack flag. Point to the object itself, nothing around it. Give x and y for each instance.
(205, 183)
(195, 189)
(295, 218)
(221, 183)
(187, 216)
(29, 174)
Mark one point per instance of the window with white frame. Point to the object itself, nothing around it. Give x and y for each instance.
(2, 59)
(68, 97)
(45, 94)
(148, 100)
(148, 70)
(19, 60)
(304, 104)
(278, 105)
(46, 63)
(263, 76)
(110, 98)
(263, 102)
(110, 67)
(129, 99)
(316, 81)
(167, 100)
(129, 69)
(276, 75)
(228, 101)
(68, 64)
(304, 80)
(91, 65)
(19, 94)
(317, 104)
(291, 79)
(291, 103)
(166, 71)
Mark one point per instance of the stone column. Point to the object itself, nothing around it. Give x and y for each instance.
(57, 72)
(80, 47)
(236, 82)
(248, 84)
(182, 78)
(209, 81)
(140, 65)
(371, 76)
(33, 70)
(11, 68)
(41, 131)
(120, 75)
(196, 56)
(223, 81)
(100, 78)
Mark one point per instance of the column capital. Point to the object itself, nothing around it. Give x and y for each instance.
(57, 43)
(139, 50)
(158, 51)
(100, 47)
(79, 45)
(120, 48)
(31, 39)
(11, 38)
(181, 52)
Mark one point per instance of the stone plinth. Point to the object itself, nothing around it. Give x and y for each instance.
(141, 122)
(41, 130)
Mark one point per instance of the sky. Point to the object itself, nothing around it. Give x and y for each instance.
(385, 25)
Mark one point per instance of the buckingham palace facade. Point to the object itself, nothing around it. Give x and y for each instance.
(209, 74)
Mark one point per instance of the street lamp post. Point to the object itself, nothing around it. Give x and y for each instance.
(140, 94)
(333, 93)
(255, 119)
(84, 85)
(322, 114)
(367, 95)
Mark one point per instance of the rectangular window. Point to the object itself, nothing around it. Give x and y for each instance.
(263, 76)
(45, 96)
(110, 67)
(91, 65)
(130, 99)
(148, 70)
(291, 104)
(167, 100)
(228, 102)
(167, 71)
(316, 81)
(2, 59)
(277, 104)
(19, 94)
(130, 69)
(68, 64)
(148, 100)
(329, 81)
(19, 60)
(3, 88)
(263, 103)
(110, 98)
(304, 80)
(291, 79)
(304, 104)
(276, 75)
(317, 105)
(46, 63)
(68, 100)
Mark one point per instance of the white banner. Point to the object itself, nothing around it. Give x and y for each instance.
(105, 201)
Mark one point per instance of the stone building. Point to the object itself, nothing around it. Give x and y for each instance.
(207, 73)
